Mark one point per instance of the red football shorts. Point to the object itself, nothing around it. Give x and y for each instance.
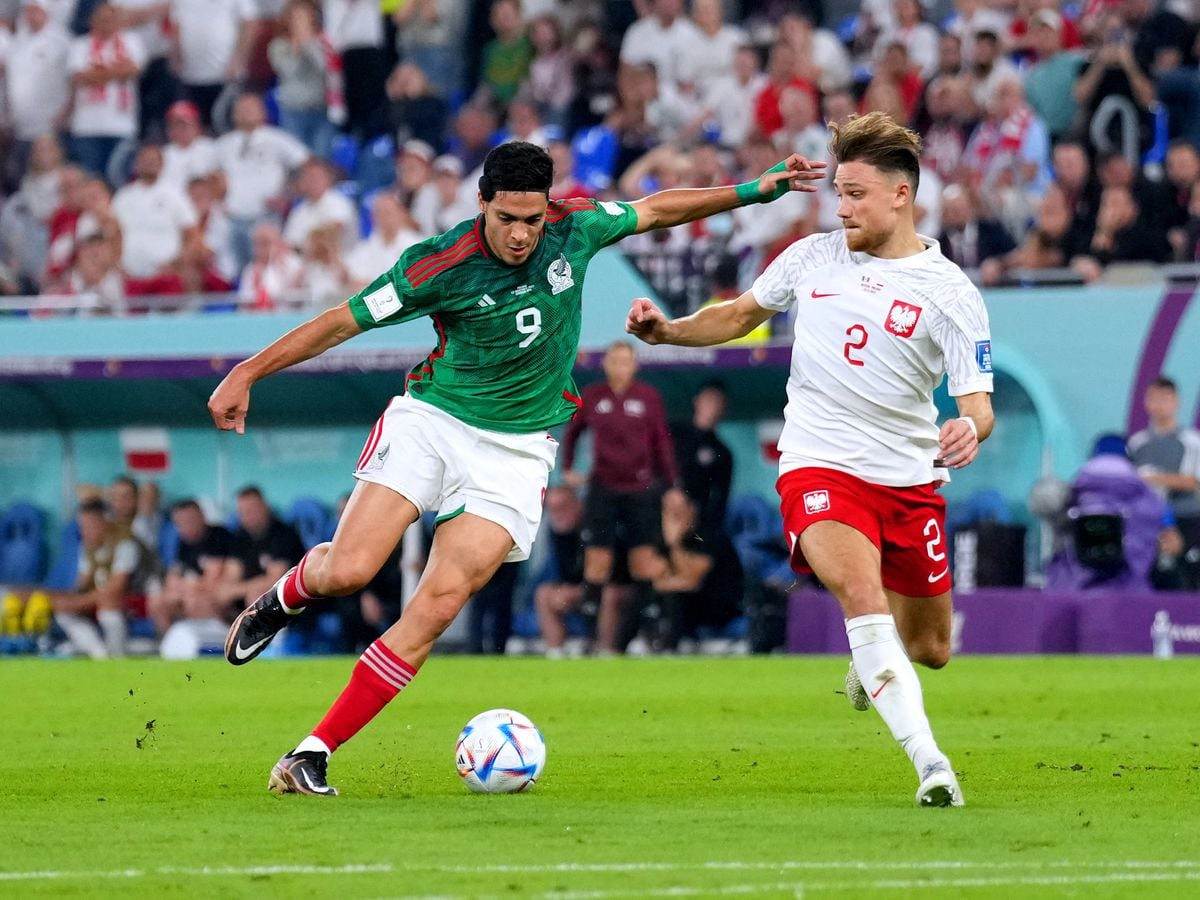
(906, 524)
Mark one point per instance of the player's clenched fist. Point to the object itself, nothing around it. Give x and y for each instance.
(229, 404)
(646, 321)
(958, 443)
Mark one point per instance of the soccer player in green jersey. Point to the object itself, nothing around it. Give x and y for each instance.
(468, 439)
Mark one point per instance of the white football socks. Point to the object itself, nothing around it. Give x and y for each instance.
(115, 630)
(312, 744)
(82, 634)
(892, 684)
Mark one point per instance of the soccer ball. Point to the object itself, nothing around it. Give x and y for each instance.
(500, 752)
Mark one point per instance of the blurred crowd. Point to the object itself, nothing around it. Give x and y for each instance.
(289, 151)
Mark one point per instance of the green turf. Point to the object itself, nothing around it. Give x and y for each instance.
(666, 778)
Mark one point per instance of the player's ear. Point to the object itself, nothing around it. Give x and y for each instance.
(482, 202)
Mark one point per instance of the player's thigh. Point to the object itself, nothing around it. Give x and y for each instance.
(915, 559)
(371, 526)
(924, 624)
(847, 563)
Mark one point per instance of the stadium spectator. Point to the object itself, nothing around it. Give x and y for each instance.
(1072, 170)
(713, 47)
(37, 82)
(1190, 251)
(766, 234)
(147, 21)
(1160, 38)
(1050, 82)
(25, 218)
(429, 33)
(506, 58)
(188, 153)
(211, 257)
(1121, 234)
(664, 38)
(104, 66)
(1167, 457)
(970, 18)
(988, 66)
(800, 131)
(1115, 92)
(393, 230)
(524, 123)
(417, 110)
(443, 202)
(157, 219)
(730, 99)
(822, 58)
(256, 159)
(414, 170)
(1020, 29)
(702, 581)
(321, 206)
(263, 548)
(1183, 173)
(632, 462)
(595, 76)
(302, 57)
(191, 583)
(95, 277)
(559, 585)
(948, 108)
(781, 74)
(971, 242)
(324, 279)
(272, 276)
(1055, 240)
(110, 580)
(210, 47)
(355, 33)
(900, 74)
(919, 38)
(473, 131)
(551, 84)
(565, 183)
(705, 462)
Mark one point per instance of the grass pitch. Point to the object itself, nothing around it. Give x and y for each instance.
(665, 778)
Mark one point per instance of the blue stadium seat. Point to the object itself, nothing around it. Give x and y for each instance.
(376, 166)
(271, 102)
(64, 572)
(595, 152)
(22, 552)
(344, 154)
(168, 543)
(310, 518)
(755, 528)
(364, 212)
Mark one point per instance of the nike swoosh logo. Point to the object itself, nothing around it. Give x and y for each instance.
(939, 576)
(819, 296)
(307, 781)
(246, 652)
(889, 680)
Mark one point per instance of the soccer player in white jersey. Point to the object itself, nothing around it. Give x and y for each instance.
(880, 317)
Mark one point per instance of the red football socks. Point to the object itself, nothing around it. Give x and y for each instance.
(294, 595)
(379, 675)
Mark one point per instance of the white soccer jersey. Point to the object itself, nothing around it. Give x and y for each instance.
(873, 339)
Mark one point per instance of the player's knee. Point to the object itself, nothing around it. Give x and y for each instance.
(933, 653)
(861, 597)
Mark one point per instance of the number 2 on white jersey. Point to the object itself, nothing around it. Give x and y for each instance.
(858, 339)
(529, 323)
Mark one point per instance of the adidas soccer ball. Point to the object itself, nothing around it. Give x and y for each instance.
(500, 752)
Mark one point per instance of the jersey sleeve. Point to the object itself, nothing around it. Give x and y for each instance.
(602, 222)
(392, 298)
(964, 337)
(775, 288)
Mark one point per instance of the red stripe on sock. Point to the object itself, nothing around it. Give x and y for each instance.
(293, 594)
(362, 699)
(388, 670)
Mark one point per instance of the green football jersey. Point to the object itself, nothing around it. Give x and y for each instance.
(507, 336)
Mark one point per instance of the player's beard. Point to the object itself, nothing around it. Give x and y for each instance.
(859, 239)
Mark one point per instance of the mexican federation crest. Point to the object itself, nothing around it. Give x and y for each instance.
(559, 275)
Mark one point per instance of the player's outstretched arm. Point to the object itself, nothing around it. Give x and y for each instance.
(713, 324)
(675, 207)
(231, 400)
(958, 443)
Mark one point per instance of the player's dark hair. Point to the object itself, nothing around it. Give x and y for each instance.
(1167, 384)
(516, 166)
(94, 507)
(878, 140)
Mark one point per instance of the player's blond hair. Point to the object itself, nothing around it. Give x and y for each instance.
(878, 140)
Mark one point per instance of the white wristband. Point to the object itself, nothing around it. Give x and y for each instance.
(970, 424)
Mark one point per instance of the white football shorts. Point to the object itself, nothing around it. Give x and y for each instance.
(442, 464)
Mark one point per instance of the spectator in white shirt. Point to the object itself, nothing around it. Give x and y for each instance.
(157, 85)
(442, 203)
(414, 170)
(324, 280)
(189, 153)
(392, 232)
(321, 206)
(717, 44)
(156, 218)
(37, 82)
(666, 39)
(24, 219)
(823, 59)
(918, 37)
(256, 159)
(211, 42)
(730, 100)
(355, 28)
(301, 57)
(272, 277)
(104, 66)
(212, 258)
(801, 132)
(96, 278)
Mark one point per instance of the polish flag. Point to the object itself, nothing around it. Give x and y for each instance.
(147, 450)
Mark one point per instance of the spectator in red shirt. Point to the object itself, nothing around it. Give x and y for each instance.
(632, 461)
(781, 74)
